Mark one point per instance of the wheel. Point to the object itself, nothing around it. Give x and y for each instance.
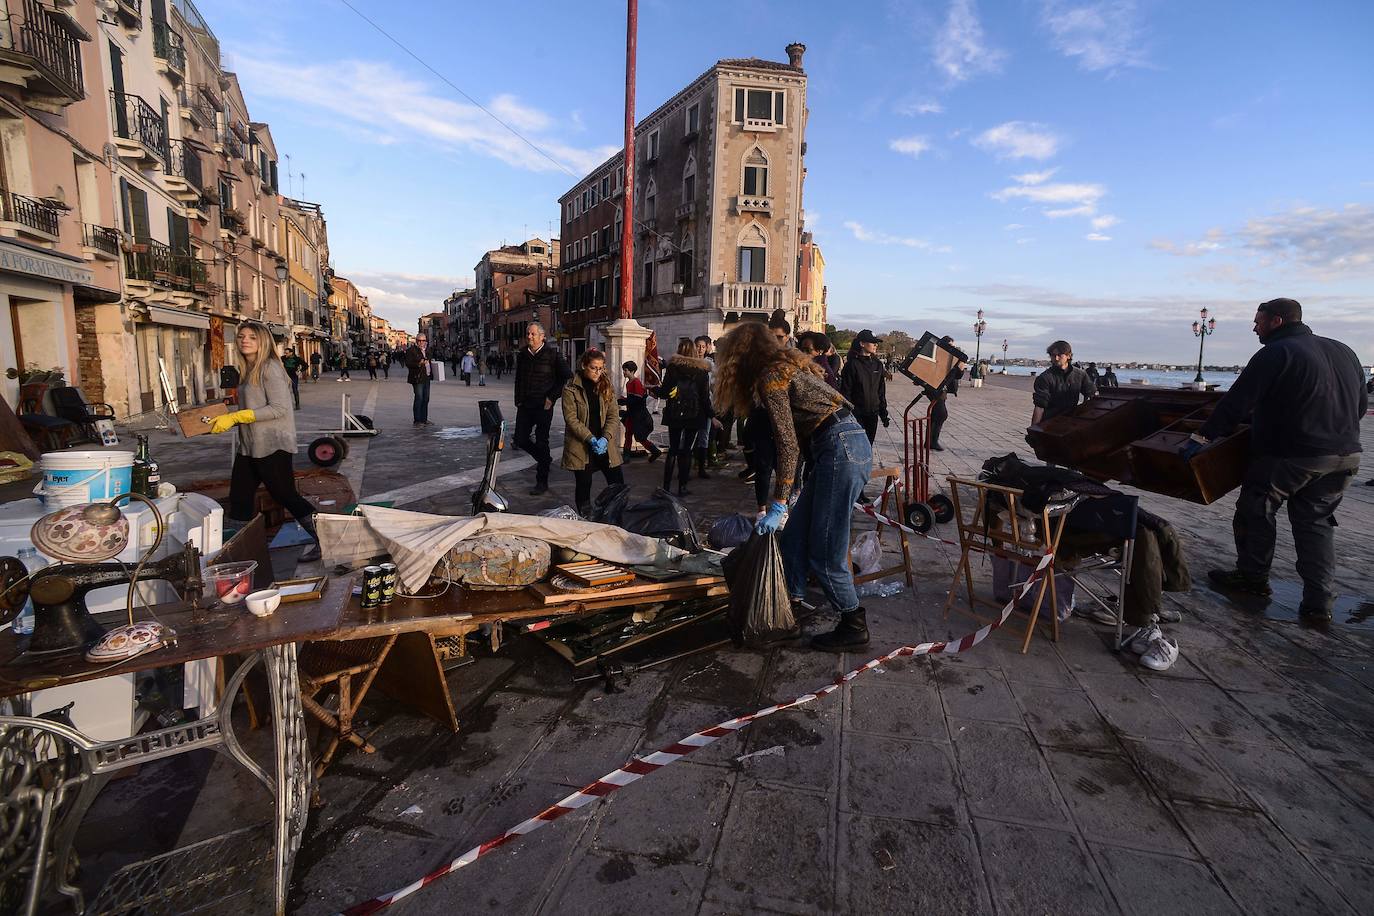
(325, 452)
(943, 507)
(920, 517)
(342, 443)
(365, 420)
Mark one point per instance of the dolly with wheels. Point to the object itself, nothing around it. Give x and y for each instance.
(331, 446)
(923, 508)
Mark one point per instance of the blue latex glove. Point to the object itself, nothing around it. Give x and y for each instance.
(772, 519)
(599, 446)
(1189, 449)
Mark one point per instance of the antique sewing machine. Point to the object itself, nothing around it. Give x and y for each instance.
(61, 620)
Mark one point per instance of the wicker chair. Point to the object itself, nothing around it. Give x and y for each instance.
(335, 663)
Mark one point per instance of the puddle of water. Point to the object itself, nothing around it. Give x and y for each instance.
(1350, 610)
(459, 432)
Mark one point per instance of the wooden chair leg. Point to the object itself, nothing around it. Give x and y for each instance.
(906, 558)
(1034, 615)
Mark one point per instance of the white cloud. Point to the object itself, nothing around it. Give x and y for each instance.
(1061, 198)
(1103, 35)
(402, 298)
(378, 101)
(1025, 240)
(921, 108)
(1019, 140)
(811, 219)
(1105, 221)
(864, 234)
(1012, 227)
(1097, 237)
(1324, 242)
(910, 146)
(1081, 210)
(1034, 177)
(960, 49)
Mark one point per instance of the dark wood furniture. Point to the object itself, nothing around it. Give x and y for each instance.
(70, 404)
(51, 433)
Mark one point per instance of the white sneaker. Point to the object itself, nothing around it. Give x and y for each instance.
(1162, 654)
(1144, 637)
(1102, 615)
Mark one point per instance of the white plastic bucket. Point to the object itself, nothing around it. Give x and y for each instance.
(74, 477)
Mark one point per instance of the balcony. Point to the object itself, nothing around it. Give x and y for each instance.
(230, 223)
(230, 145)
(169, 52)
(753, 203)
(183, 176)
(760, 125)
(27, 216)
(152, 262)
(140, 134)
(130, 13)
(44, 58)
(751, 297)
(100, 242)
(686, 211)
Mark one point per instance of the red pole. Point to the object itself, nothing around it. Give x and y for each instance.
(627, 231)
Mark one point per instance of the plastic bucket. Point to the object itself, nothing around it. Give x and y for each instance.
(74, 477)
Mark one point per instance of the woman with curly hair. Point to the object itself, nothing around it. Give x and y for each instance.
(805, 414)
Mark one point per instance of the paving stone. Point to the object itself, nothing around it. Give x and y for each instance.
(1004, 774)
(361, 866)
(1130, 706)
(1041, 666)
(579, 751)
(978, 693)
(1181, 770)
(1063, 718)
(1148, 884)
(727, 676)
(1345, 697)
(620, 884)
(1305, 726)
(1033, 870)
(1261, 869)
(1208, 711)
(810, 739)
(914, 669)
(1355, 880)
(1308, 808)
(798, 671)
(776, 850)
(676, 719)
(883, 706)
(1234, 669)
(1111, 803)
(900, 867)
(629, 705)
(671, 816)
(891, 777)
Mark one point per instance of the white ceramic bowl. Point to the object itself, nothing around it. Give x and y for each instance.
(263, 603)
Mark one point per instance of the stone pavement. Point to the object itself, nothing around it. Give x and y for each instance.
(1064, 780)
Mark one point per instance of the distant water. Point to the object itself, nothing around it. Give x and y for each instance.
(1156, 379)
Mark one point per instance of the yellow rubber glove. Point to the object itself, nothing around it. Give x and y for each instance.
(230, 420)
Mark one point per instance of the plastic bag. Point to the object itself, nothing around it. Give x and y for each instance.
(867, 552)
(759, 605)
(665, 516)
(609, 506)
(731, 531)
(567, 512)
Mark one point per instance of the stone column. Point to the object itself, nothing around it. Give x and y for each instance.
(625, 341)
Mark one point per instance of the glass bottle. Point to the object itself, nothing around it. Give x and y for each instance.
(33, 561)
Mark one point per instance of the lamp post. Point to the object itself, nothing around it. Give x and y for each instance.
(979, 326)
(1201, 329)
(1004, 356)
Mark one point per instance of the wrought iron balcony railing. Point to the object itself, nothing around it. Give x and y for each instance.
(27, 211)
(168, 46)
(53, 47)
(153, 262)
(135, 119)
(184, 162)
(101, 238)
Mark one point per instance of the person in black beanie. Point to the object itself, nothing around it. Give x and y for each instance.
(863, 383)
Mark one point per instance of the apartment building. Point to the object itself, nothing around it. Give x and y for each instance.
(718, 209)
(352, 333)
(306, 241)
(811, 293)
(464, 319)
(59, 272)
(531, 270)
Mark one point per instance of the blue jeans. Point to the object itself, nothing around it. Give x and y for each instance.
(816, 538)
(421, 406)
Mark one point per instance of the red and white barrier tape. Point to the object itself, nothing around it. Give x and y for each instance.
(640, 767)
(883, 519)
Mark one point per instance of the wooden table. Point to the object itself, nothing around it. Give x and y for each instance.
(61, 771)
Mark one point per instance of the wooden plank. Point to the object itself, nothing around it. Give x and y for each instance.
(413, 674)
(640, 589)
(195, 421)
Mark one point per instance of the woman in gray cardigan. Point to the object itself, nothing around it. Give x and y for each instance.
(267, 434)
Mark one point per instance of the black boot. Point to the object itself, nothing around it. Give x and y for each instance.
(654, 452)
(668, 470)
(311, 553)
(851, 633)
(701, 463)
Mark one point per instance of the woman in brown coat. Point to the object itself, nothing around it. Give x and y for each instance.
(591, 421)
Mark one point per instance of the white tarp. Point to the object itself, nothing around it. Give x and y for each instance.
(417, 540)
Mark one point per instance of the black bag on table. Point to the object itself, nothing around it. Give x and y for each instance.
(609, 506)
(665, 516)
(759, 606)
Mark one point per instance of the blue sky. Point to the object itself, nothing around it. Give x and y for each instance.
(1089, 170)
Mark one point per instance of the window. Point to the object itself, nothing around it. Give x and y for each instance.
(619, 178)
(689, 180)
(684, 270)
(594, 197)
(756, 173)
(651, 149)
(586, 196)
(650, 200)
(605, 238)
(605, 186)
(649, 275)
(751, 264)
(765, 106)
(596, 235)
(693, 118)
(135, 209)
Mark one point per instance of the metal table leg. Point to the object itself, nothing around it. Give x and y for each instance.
(293, 771)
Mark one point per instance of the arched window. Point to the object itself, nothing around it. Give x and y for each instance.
(755, 173)
(689, 180)
(753, 254)
(650, 201)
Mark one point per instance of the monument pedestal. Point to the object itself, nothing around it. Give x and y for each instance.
(626, 340)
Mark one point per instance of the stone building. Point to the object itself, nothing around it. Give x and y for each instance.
(718, 209)
(811, 293)
(305, 244)
(504, 318)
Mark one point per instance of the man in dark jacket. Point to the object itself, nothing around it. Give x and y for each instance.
(540, 374)
(419, 374)
(863, 383)
(1058, 388)
(1304, 397)
(939, 411)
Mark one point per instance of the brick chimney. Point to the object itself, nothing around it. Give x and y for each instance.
(794, 54)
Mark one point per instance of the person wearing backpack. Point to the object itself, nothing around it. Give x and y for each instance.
(686, 394)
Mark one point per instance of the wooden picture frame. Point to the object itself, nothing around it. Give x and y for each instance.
(306, 589)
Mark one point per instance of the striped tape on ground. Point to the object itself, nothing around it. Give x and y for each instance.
(640, 767)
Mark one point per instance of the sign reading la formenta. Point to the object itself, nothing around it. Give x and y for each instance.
(23, 261)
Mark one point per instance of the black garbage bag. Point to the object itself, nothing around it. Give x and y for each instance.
(665, 516)
(731, 531)
(609, 506)
(759, 606)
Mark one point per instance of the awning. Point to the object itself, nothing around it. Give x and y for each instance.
(160, 314)
(278, 330)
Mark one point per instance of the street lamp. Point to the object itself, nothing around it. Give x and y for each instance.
(1200, 330)
(1004, 356)
(281, 271)
(979, 327)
